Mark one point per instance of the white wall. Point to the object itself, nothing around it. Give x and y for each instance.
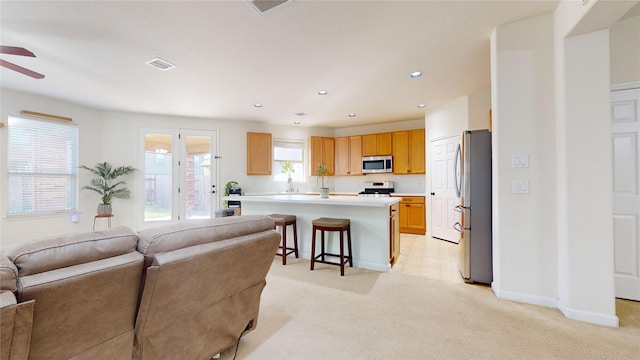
(89, 121)
(524, 240)
(115, 137)
(625, 51)
(470, 112)
(550, 88)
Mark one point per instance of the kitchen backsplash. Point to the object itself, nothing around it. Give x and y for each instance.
(406, 184)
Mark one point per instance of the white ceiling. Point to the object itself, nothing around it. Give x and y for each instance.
(230, 56)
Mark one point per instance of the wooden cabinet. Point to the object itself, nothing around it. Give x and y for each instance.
(413, 216)
(409, 152)
(349, 155)
(394, 233)
(376, 144)
(259, 153)
(321, 151)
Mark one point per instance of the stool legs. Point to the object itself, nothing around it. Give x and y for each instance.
(321, 257)
(283, 244)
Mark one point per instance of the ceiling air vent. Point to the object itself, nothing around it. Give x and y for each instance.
(161, 64)
(264, 5)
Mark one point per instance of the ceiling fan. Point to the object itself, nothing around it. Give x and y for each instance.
(12, 50)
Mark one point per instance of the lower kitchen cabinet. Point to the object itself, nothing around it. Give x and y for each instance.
(413, 216)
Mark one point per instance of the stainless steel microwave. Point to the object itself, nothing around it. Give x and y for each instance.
(377, 164)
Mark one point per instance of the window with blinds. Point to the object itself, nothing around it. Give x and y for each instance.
(42, 164)
(292, 151)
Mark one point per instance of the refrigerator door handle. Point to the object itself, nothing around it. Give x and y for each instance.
(458, 171)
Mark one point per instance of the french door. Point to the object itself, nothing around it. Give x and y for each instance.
(180, 174)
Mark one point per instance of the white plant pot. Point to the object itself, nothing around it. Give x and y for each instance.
(324, 193)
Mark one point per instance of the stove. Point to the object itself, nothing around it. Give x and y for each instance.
(377, 189)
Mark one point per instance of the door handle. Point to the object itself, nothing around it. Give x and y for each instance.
(459, 227)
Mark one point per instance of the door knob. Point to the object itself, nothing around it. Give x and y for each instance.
(432, 194)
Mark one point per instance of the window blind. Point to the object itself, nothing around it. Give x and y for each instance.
(42, 164)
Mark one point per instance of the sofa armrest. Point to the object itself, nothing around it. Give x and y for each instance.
(16, 323)
(8, 274)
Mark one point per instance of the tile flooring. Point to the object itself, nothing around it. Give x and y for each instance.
(435, 259)
(424, 256)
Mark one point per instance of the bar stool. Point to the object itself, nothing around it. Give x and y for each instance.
(282, 221)
(331, 224)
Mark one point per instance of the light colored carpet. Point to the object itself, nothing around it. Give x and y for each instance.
(371, 315)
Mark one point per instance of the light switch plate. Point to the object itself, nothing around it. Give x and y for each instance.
(520, 160)
(519, 186)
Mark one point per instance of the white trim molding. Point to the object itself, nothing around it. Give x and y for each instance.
(626, 86)
(588, 316)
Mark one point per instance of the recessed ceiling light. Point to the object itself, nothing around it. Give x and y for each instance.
(258, 105)
(416, 74)
(296, 123)
(421, 105)
(352, 115)
(299, 114)
(322, 92)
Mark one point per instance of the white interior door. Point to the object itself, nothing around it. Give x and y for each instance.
(625, 132)
(443, 189)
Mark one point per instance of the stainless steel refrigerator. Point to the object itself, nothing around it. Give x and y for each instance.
(473, 187)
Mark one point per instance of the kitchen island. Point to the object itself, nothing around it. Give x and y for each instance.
(374, 223)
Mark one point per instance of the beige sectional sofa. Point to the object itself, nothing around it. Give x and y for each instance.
(180, 291)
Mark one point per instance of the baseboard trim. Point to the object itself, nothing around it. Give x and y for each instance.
(573, 314)
(588, 316)
(525, 298)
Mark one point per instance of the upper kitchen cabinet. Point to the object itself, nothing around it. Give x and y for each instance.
(321, 151)
(259, 153)
(376, 144)
(409, 152)
(349, 155)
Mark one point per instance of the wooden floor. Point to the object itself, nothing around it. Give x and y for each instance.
(424, 256)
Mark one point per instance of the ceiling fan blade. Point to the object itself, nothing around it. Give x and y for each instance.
(21, 70)
(13, 50)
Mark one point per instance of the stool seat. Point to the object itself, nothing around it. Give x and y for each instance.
(282, 220)
(331, 224)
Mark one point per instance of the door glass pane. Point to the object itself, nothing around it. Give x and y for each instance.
(158, 174)
(198, 177)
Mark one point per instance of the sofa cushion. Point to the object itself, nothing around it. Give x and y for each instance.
(171, 237)
(8, 274)
(71, 249)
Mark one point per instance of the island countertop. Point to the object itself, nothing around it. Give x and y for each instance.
(372, 220)
(316, 200)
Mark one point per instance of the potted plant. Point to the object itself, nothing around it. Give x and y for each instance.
(227, 187)
(322, 172)
(287, 168)
(106, 185)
